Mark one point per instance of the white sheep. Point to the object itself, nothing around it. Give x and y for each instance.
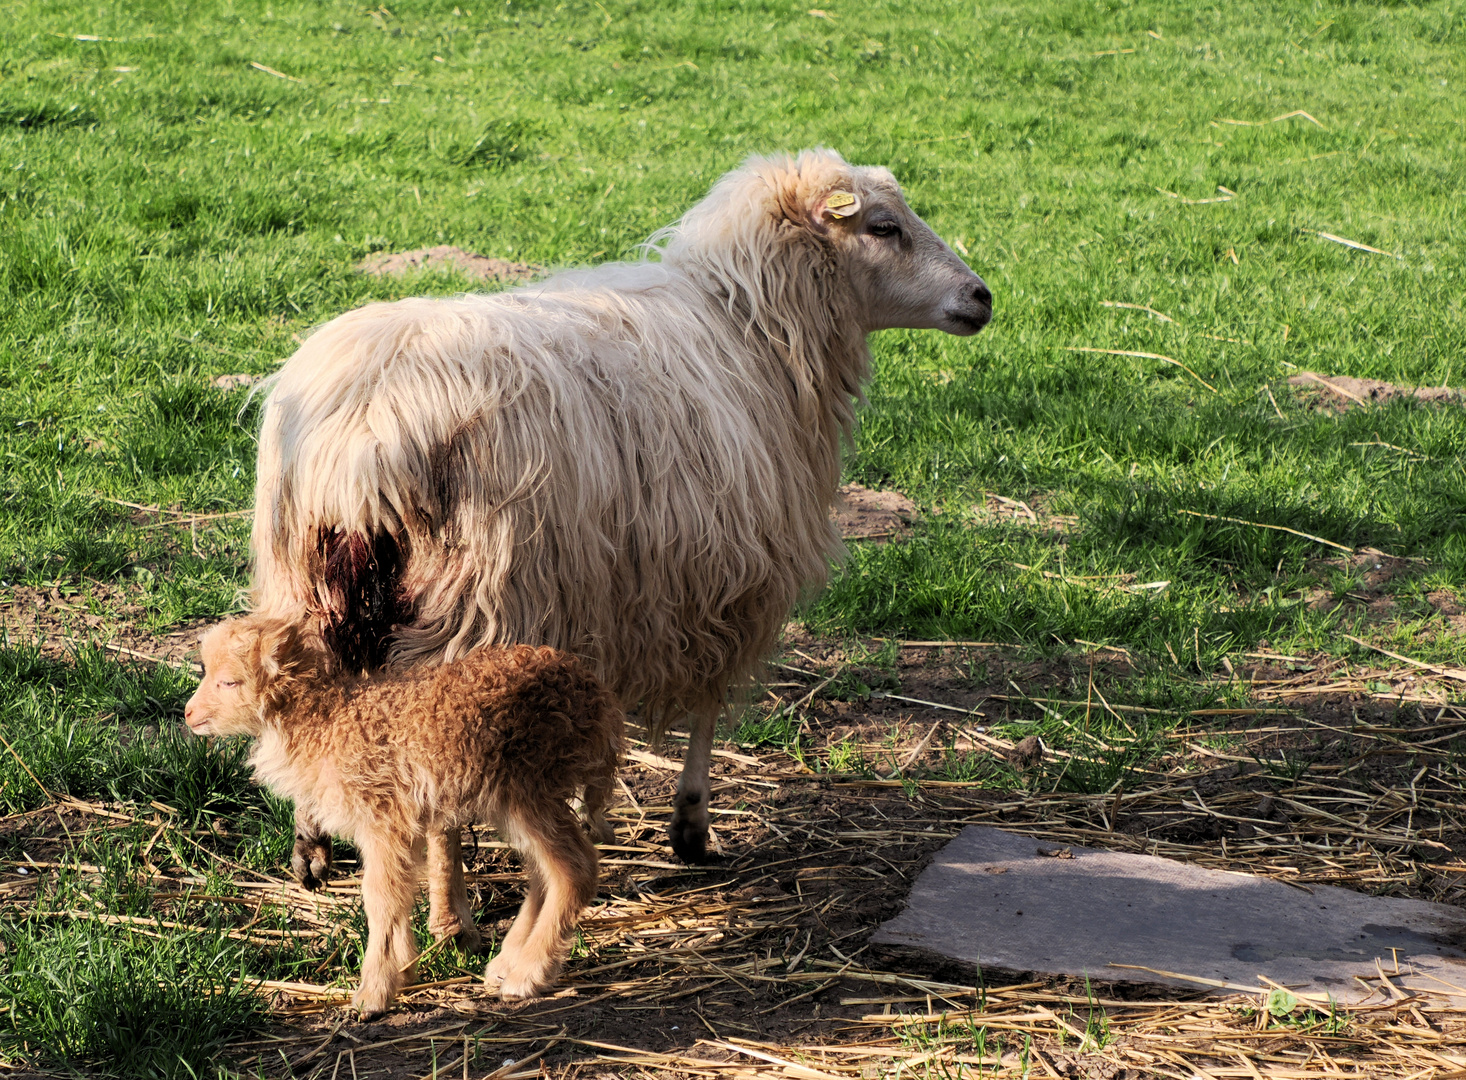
(634, 463)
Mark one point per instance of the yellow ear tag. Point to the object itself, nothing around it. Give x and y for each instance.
(841, 204)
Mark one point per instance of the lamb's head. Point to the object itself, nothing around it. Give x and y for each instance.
(245, 662)
(885, 267)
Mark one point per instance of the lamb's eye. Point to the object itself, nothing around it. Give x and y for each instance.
(228, 682)
(884, 228)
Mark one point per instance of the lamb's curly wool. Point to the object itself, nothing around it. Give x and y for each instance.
(634, 463)
(502, 735)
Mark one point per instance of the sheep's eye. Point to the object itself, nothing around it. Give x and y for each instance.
(228, 682)
(884, 228)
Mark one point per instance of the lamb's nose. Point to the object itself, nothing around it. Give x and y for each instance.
(982, 294)
(188, 713)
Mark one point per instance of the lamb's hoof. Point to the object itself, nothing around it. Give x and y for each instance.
(311, 860)
(464, 933)
(370, 1006)
(689, 836)
(469, 939)
(496, 969)
(513, 982)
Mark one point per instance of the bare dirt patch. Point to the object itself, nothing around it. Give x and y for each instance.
(445, 257)
(1343, 392)
(238, 381)
(866, 514)
(1449, 606)
(58, 620)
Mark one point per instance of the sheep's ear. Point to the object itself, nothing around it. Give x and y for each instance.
(837, 205)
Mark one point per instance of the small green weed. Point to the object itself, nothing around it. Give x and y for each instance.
(778, 727)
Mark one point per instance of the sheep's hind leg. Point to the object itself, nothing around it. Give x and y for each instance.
(310, 860)
(449, 913)
(688, 830)
(388, 888)
(561, 862)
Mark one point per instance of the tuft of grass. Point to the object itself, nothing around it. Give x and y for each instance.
(777, 727)
(131, 1008)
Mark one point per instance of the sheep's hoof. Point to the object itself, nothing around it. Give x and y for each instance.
(311, 860)
(689, 836)
(600, 830)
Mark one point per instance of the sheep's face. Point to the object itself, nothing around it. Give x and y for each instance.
(227, 701)
(900, 271)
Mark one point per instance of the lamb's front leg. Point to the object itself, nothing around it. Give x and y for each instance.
(689, 828)
(388, 888)
(449, 913)
(311, 858)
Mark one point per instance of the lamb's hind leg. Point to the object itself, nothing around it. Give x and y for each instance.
(449, 913)
(519, 931)
(688, 830)
(597, 795)
(561, 863)
(388, 888)
(310, 860)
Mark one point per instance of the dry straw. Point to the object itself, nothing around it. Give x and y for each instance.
(761, 961)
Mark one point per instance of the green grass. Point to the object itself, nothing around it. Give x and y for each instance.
(170, 213)
(184, 217)
(133, 1007)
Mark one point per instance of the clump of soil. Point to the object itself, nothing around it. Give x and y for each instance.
(1342, 392)
(447, 258)
(866, 514)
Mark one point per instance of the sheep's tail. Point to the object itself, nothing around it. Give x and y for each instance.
(360, 595)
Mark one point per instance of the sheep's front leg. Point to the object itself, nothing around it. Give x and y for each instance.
(388, 888)
(311, 858)
(449, 913)
(689, 828)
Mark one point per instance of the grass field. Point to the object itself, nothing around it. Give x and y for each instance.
(185, 189)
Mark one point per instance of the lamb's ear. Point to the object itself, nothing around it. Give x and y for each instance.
(836, 206)
(279, 644)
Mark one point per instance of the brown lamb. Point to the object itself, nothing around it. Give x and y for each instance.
(503, 735)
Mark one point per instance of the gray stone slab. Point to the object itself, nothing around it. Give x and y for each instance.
(991, 898)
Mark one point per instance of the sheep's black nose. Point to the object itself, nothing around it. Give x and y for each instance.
(982, 294)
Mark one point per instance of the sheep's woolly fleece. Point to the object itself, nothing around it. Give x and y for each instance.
(634, 463)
